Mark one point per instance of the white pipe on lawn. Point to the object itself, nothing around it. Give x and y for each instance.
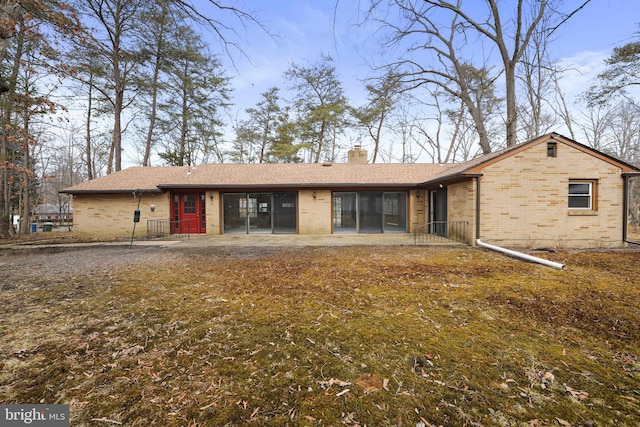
(521, 255)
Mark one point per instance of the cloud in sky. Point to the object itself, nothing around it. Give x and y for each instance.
(303, 29)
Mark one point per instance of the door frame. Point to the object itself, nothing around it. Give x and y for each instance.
(259, 212)
(438, 211)
(177, 213)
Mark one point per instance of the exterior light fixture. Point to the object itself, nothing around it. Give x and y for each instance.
(152, 208)
(417, 194)
(314, 195)
(211, 197)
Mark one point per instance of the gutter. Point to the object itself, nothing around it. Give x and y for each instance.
(522, 256)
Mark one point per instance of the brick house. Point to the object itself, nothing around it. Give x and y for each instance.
(547, 191)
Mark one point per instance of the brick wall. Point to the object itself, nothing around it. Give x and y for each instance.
(314, 215)
(461, 201)
(525, 200)
(213, 212)
(106, 216)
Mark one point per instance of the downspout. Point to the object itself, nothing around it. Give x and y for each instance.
(503, 250)
(625, 207)
(477, 208)
(522, 256)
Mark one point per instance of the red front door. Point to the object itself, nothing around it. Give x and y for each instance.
(189, 213)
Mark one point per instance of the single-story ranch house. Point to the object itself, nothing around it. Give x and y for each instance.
(547, 191)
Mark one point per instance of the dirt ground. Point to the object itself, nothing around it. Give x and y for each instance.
(197, 335)
(27, 266)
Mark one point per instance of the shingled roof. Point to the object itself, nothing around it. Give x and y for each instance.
(298, 175)
(309, 175)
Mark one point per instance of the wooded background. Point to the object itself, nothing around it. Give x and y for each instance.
(152, 82)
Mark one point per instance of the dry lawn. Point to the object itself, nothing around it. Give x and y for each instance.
(355, 336)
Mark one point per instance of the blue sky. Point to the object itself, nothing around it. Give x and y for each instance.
(303, 29)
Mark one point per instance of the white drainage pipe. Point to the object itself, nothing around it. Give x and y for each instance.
(521, 255)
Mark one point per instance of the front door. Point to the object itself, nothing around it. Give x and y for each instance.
(189, 213)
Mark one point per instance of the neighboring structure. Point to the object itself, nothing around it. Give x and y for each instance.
(550, 191)
(48, 212)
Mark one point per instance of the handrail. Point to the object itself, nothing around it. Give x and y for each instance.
(157, 228)
(441, 232)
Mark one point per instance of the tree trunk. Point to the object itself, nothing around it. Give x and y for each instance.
(117, 125)
(512, 113)
(88, 126)
(323, 129)
(184, 128)
(154, 108)
(9, 13)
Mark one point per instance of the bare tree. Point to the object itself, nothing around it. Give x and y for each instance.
(28, 48)
(117, 53)
(625, 132)
(402, 130)
(536, 74)
(444, 29)
(596, 125)
(560, 106)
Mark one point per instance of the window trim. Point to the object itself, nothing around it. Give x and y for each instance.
(592, 193)
(552, 149)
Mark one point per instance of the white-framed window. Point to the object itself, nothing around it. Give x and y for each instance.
(582, 194)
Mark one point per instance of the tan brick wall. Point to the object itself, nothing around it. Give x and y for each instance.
(417, 208)
(525, 200)
(213, 212)
(461, 206)
(106, 216)
(314, 215)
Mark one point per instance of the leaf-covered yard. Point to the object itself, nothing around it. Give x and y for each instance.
(355, 336)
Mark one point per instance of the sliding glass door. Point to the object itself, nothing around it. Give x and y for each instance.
(259, 213)
(369, 212)
(345, 212)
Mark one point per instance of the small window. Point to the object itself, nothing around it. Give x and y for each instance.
(552, 149)
(581, 195)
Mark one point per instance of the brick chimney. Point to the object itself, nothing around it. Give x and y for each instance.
(358, 156)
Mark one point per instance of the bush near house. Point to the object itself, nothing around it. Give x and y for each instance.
(403, 336)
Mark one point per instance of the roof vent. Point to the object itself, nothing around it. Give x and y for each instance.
(327, 164)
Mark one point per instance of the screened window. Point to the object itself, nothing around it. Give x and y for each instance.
(581, 194)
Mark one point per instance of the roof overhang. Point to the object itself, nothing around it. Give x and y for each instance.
(128, 191)
(305, 185)
(450, 179)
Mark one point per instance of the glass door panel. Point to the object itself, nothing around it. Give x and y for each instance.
(259, 210)
(438, 212)
(395, 212)
(285, 213)
(344, 214)
(370, 212)
(234, 213)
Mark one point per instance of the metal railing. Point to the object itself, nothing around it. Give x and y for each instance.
(441, 232)
(157, 228)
